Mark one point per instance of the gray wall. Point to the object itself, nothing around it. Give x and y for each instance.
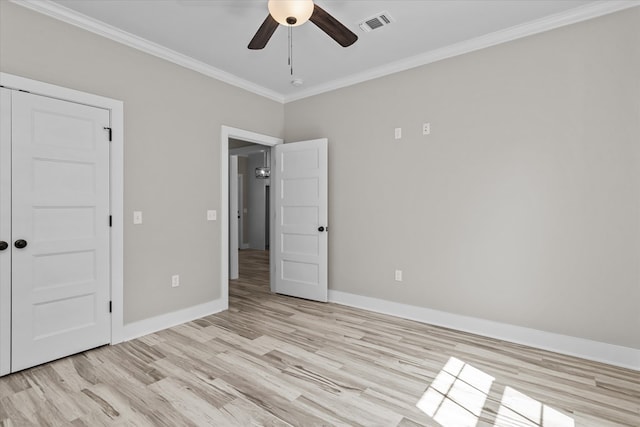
(172, 149)
(522, 206)
(244, 170)
(256, 202)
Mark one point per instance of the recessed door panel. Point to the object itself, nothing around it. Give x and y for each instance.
(59, 129)
(300, 189)
(64, 268)
(301, 272)
(301, 160)
(63, 177)
(299, 215)
(300, 244)
(48, 322)
(51, 224)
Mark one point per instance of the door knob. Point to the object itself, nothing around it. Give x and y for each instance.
(321, 229)
(20, 244)
(3, 245)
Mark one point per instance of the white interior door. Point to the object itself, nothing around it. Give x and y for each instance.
(234, 268)
(299, 183)
(60, 209)
(5, 231)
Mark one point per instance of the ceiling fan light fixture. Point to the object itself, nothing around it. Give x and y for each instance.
(291, 12)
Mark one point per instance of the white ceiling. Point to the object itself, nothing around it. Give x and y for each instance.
(216, 33)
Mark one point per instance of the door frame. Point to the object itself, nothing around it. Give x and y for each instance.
(116, 180)
(5, 233)
(227, 132)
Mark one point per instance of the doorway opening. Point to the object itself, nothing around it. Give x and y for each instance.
(249, 207)
(242, 153)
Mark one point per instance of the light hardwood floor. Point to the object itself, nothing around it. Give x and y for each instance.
(274, 360)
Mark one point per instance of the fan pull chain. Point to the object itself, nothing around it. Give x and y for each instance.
(291, 49)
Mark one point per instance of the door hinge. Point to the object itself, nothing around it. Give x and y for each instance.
(108, 129)
(110, 221)
(110, 306)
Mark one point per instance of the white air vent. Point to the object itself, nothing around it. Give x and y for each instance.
(378, 21)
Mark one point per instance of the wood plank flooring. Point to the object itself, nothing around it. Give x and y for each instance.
(276, 361)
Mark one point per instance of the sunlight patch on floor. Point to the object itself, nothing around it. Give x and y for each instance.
(518, 409)
(457, 396)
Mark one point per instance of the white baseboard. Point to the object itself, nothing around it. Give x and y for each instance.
(592, 350)
(164, 321)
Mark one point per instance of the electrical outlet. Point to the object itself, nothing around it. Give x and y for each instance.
(175, 280)
(398, 275)
(212, 215)
(137, 217)
(426, 128)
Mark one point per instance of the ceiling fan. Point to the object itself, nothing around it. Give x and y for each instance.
(292, 13)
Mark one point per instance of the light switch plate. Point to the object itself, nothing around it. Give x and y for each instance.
(398, 133)
(212, 215)
(137, 217)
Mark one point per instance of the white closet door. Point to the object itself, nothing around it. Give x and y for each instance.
(5, 231)
(60, 208)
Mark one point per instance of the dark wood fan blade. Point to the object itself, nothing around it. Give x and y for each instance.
(264, 33)
(334, 29)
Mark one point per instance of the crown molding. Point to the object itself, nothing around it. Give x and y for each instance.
(572, 16)
(61, 13)
(569, 17)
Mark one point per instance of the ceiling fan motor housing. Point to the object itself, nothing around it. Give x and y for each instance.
(291, 12)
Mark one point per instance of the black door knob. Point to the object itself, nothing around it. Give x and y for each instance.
(321, 229)
(20, 244)
(3, 245)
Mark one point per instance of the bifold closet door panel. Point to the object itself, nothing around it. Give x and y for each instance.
(60, 229)
(5, 231)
